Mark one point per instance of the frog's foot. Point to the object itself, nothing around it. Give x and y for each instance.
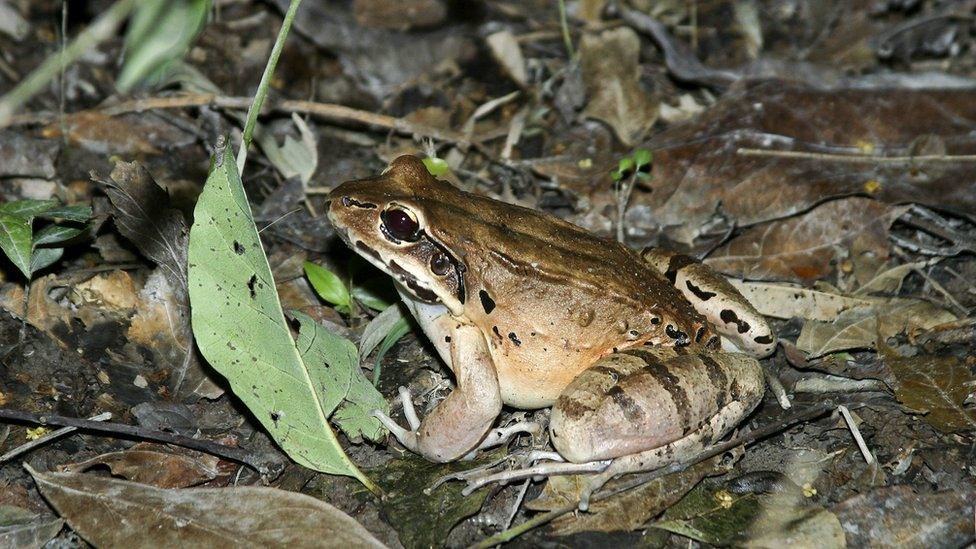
(542, 470)
(407, 438)
(501, 435)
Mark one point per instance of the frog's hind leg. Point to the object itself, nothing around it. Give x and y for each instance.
(650, 407)
(716, 299)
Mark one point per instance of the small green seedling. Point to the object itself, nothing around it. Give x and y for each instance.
(436, 166)
(32, 251)
(629, 170)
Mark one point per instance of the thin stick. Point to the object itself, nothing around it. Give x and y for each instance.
(868, 456)
(857, 158)
(331, 112)
(262, 92)
(747, 438)
(101, 29)
(239, 455)
(105, 416)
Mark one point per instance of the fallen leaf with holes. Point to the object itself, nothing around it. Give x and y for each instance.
(802, 248)
(859, 328)
(156, 465)
(937, 386)
(611, 75)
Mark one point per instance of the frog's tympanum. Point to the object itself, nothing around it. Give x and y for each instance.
(530, 311)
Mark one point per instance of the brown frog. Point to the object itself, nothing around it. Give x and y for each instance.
(531, 311)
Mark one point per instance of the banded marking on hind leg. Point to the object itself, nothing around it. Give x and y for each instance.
(716, 299)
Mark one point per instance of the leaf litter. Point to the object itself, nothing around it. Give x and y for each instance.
(834, 189)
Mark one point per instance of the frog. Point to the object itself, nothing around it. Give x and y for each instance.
(644, 357)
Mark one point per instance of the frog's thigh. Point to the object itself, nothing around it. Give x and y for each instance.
(716, 299)
(639, 400)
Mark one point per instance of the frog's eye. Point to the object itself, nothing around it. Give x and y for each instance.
(400, 224)
(440, 264)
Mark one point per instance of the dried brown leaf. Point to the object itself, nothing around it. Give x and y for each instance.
(898, 516)
(698, 170)
(109, 512)
(937, 386)
(802, 248)
(611, 72)
(155, 465)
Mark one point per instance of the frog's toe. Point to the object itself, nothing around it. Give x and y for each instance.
(407, 438)
(502, 435)
(409, 411)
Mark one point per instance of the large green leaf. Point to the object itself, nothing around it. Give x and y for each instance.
(334, 366)
(28, 208)
(15, 240)
(242, 332)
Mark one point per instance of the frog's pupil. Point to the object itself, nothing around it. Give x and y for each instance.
(399, 223)
(440, 264)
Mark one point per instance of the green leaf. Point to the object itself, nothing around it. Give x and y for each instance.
(53, 234)
(44, 257)
(334, 367)
(160, 32)
(642, 157)
(28, 208)
(625, 165)
(377, 293)
(78, 212)
(15, 240)
(436, 166)
(328, 285)
(241, 329)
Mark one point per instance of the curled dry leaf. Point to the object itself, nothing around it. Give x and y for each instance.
(109, 512)
(780, 300)
(611, 74)
(801, 249)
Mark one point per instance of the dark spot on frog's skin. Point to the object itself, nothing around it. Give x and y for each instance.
(728, 316)
(366, 249)
(699, 293)
(238, 248)
(411, 283)
(487, 303)
(675, 264)
(718, 379)
(665, 379)
(347, 202)
(764, 340)
(677, 335)
(447, 339)
(570, 407)
(735, 391)
(700, 334)
(633, 334)
(630, 408)
(495, 329)
(515, 339)
(250, 285)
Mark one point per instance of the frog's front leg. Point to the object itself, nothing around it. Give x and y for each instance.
(460, 421)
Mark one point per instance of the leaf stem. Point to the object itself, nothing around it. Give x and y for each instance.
(262, 91)
(101, 29)
(564, 25)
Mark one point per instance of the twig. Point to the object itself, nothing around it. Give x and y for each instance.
(105, 416)
(747, 438)
(868, 456)
(262, 92)
(339, 114)
(239, 455)
(564, 27)
(858, 158)
(101, 29)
